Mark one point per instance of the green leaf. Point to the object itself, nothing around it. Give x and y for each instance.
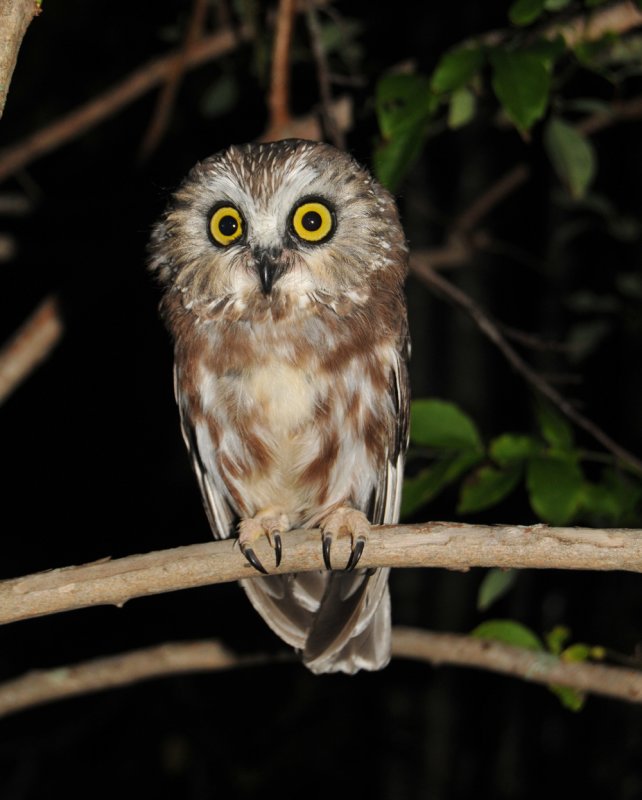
(495, 584)
(555, 429)
(402, 101)
(442, 425)
(456, 68)
(426, 485)
(557, 638)
(522, 81)
(393, 159)
(556, 5)
(461, 109)
(404, 105)
(577, 652)
(554, 488)
(568, 697)
(523, 12)
(509, 632)
(486, 487)
(616, 500)
(510, 448)
(571, 154)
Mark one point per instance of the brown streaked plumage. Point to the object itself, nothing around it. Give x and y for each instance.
(283, 267)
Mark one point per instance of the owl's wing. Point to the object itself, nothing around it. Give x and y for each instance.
(341, 620)
(219, 513)
(386, 500)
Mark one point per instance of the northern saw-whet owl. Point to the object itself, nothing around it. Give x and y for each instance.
(283, 267)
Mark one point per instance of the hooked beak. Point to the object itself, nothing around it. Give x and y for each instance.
(269, 270)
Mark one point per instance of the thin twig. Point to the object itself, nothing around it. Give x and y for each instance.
(29, 346)
(447, 545)
(618, 111)
(323, 77)
(438, 649)
(490, 329)
(532, 340)
(279, 99)
(499, 190)
(15, 16)
(169, 92)
(137, 83)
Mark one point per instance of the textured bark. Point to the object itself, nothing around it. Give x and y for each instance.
(437, 544)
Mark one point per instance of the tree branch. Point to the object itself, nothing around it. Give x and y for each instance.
(323, 76)
(439, 544)
(15, 16)
(493, 332)
(169, 92)
(30, 345)
(279, 98)
(179, 658)
(72, 125)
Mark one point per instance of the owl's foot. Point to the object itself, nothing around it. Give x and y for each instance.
(350, 521)
(267, 524)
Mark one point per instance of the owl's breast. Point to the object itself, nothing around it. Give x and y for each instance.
(293, 420)
(281, 395)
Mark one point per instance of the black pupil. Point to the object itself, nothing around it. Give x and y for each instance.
(228, 225)
(311, 220)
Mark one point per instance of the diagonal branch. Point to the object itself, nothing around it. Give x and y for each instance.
(74, 124)
(493, 332)
(169, 92)
(438, 649)
(438, 544)
(30, 345)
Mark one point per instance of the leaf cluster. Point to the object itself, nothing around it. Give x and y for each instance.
(556, 473)
(518, 78)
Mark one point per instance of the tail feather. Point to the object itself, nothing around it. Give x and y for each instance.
(340, 621)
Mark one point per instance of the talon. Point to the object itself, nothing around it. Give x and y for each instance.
(278, 547)
(355, 554)
(251, 556)
(327, 544)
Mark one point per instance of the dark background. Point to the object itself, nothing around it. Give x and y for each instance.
(94, 465)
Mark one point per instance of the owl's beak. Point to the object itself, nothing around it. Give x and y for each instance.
(269, 270)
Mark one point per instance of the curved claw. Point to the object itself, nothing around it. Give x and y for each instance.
(253, 559)
(278, 547)
(355, 555)
(327, 544)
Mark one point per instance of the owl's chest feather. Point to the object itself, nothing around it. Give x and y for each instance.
(281, 395)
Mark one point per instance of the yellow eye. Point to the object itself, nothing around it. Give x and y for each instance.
(313, 221)
(226, 225)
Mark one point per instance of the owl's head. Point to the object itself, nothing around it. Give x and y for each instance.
(279, 225)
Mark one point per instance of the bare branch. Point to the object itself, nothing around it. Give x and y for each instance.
(323, 77)
(169, 92)
(179, 658)
(15, 16)
(29, 346)
(279, 99)
(490, 329)
(618, 18)
(74, 124)
(529, 665)
(618, 111)
(438, 544)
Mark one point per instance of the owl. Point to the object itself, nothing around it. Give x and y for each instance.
(282, 267)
